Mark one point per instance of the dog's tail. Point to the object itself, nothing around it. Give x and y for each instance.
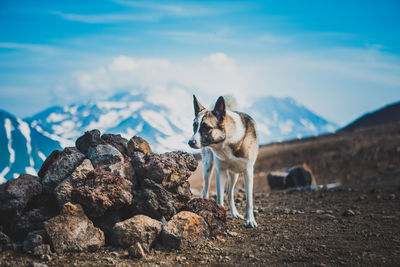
(230, 102)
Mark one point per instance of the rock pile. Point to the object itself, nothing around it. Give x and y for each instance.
(107, 190)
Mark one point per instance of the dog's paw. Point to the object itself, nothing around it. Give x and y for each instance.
(251, 223)
(236, 215)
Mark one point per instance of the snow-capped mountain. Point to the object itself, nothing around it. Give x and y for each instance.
(280, 119)
(22, 148)
(127, 114)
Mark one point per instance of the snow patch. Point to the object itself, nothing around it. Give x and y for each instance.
(56, 117)
(41, 156)
(3, 174)
(62, 141)
(26, 132)
(9, 128)
(309, 125)
(111, 105)
(157, 121)
(31, 171)
(286, 127)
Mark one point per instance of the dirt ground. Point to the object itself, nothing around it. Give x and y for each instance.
(355, 224)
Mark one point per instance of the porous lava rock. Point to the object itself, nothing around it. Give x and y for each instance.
(212, 212)
(117, 141)
(104, 155)
(73, 231)
(88, 140)
(185, 229)
(138, 144)
(140, 228)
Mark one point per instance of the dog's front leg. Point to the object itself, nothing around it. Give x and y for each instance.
(208, 167)
(220, 177)
(248, 184)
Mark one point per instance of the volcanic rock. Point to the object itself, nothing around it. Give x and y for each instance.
(102, 191)
(140, 228)
(138, 144)
(104, 155)
(73, 231)
(183, 230)
(16, 193)
(153, 200)
(136, 251)
(42, 251)
(170, 169)
(64, 190)
(47, 163)
(213, 213)
(117, 141)
(300, 176)
(61, 167)
(32, 240)
(89, 140)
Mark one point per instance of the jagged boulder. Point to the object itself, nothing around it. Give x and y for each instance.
(102, 191)
(138, 144)
(32, 240)
(61, 167)
(170, 169)
(89, 140)
(16, 193)
(73, 231)
(38, 210)
(117, 141)
(104, 155)
(212, 212)
(63, 192)
(153, 200)
(47, 163)
(183, 230)
(140, 228)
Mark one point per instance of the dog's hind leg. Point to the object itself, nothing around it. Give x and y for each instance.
(248, 184)
(208, 167)
(233, 177)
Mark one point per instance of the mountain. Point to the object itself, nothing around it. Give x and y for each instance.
(280, 119)
(22, 148)
(127, 114)
(387, 114)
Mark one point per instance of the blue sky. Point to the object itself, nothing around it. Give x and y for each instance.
(339, 58)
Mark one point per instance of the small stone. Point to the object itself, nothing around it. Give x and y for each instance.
(136, 251)
(32, 240)
(46, 257)
(110, 260)
(114, 254)
(348, 213)
(231, 233)
(138, 144)
(37, 264)
(326, 216)
(42, 250)
(392, 197)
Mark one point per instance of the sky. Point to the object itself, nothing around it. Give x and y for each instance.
(338, 58)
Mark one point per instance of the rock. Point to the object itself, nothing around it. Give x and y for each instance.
(138, 144)
(277, 180)
(123, 169)
(73, 231)
(32, 240)
(170, 169)
(183, 230)
(37, 264)
(48, 161)
(136, 251)
(39, 210)
(110, 260)
(348, 213)
(117, 141)
(153, 200)
(213, 213)
(64, 190)
(16, 193)
(61, 167)
(89, 140)
(104, 155)
(4, 240)
(138, 229)
(42, 250)
(102, 191)
(182, 192)
(326, 217)
(107, 221)
(299, 177)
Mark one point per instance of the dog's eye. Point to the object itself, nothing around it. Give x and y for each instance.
(205, 127)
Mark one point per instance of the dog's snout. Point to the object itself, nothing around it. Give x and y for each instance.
(192, 143)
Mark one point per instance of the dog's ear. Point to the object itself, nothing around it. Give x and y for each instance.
(219, 109)
(197, 106)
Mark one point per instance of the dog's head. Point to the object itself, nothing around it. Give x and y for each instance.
(208, 125)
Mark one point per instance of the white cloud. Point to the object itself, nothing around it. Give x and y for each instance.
(107, 18)
(322, 80)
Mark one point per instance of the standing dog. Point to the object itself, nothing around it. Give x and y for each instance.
(227, 139)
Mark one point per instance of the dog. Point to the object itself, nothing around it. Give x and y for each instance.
(228, 140)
